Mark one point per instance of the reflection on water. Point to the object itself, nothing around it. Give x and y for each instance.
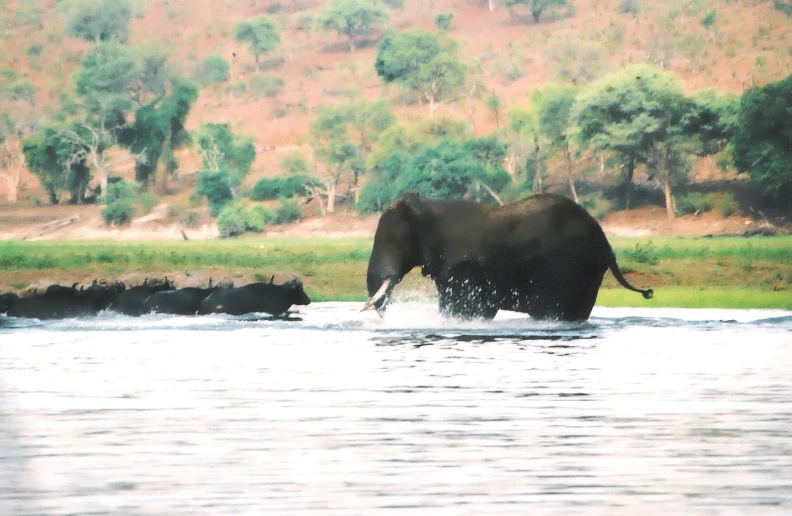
(336, 412)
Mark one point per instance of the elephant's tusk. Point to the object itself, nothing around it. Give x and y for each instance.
(376, 297)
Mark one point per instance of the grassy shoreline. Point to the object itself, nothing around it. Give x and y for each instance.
(729, 272)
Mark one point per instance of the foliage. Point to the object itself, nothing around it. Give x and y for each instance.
(100, 20)
(288, 210)
(351, 18)
(536, 7)
(105, 77)
(159, 130)
(762, 141)
(694, 203)
(212, 70)
(234, 219)
(443, 20)
(46, 155)
(726, 204)
(446, 169)
(119, 201)
(422, 62)
(268, 188)
(266, 84)
(643, 253)
(630, 112)
(295, 163)
(261, 32)
(222, 149)
(258, 217)
(216, 187)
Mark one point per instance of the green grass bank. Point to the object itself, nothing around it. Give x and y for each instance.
(731, 272)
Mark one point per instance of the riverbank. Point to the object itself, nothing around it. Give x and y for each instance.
(729, 272)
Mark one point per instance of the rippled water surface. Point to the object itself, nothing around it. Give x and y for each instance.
(336, 412)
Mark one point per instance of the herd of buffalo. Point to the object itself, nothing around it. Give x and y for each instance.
(158, 296)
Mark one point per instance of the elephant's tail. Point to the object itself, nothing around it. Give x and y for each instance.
(614, 267)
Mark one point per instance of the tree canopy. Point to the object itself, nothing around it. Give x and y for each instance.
(352, 18)
(422, 62)
(100, 20)
(536, 7)
(261, 32)
(629, 113)
(762, 142)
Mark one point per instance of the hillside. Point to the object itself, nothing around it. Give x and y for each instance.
(749, 43)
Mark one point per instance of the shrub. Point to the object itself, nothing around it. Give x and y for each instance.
(643, 254)
(266, 84)
(268, 188)
(216, 187)
(212, 70)
(258, 217)
(232, 220)
(443, 20)
(597, 207)
(288, 210)
(694, 203)
(726, 205)
(120, 202)
(147, 201)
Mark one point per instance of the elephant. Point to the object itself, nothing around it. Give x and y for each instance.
(59, 302)
(132, 301)
(256, 297)
(183, 301)
(544, 256)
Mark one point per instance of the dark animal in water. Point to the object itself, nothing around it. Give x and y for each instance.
(256, 298)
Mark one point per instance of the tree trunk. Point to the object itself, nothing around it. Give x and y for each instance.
(491, 5)
(538, 187)
(536, 15)
(568, 157)
(351, 44)
(627, 183)
(331, 194)
(669, 200)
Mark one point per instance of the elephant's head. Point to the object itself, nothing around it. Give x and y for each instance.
(399, 246)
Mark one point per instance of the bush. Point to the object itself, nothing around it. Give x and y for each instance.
(266, 84)
(268, 188)
(147, 201)
(288, 210)
(258, 217)
(235, 220)
(212, 70)
(597, 207)
(216, 187)
(232, 220)
(694, 203)
(120, 202)
(726, 205)
(643, 254)
(443, 20)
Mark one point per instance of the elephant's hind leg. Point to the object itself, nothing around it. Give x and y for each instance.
(582, 295)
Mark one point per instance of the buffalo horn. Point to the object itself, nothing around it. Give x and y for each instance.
(376, 297)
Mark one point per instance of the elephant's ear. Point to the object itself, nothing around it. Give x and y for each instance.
(415, 207)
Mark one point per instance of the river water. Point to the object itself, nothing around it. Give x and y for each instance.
(337, 412)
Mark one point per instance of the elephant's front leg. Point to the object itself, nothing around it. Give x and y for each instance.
(466, 293)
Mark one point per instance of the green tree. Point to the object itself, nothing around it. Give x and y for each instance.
(105, 77)
(536, 7)
(352, 18)
(216, 187)
(422, 62)
(221, 149)
(47, 156)
(553, 106)
(443, 20)
(261, 32)
(212, 70)
(762, 141)
(100, 20)
(628, 113)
